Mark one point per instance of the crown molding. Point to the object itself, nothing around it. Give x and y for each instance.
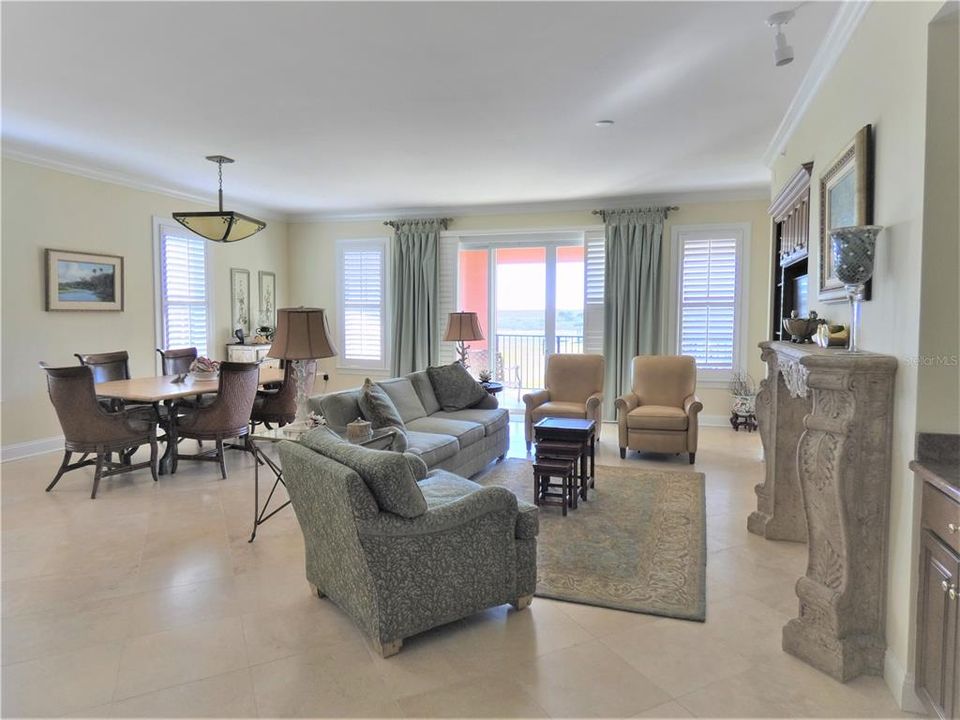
(834, 42)
(757, 192)
(14, 151)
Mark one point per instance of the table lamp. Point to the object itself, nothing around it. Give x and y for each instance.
(301, 334)
(463, 326)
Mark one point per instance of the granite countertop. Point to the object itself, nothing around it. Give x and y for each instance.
(938, 461)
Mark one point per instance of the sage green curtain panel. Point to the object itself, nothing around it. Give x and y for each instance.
(414, 278)
(631, 313)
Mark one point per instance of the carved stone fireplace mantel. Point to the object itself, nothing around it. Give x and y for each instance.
(841, 477)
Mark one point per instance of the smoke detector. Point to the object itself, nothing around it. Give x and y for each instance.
(782, 53)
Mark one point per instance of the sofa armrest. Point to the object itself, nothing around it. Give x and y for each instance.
(446, 517)
(536, 398)
(692, 405)
(627, 402)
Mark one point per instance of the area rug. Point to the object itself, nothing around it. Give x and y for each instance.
(637, 544)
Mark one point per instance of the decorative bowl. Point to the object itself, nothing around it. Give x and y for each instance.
(204, 376)
(801, 330)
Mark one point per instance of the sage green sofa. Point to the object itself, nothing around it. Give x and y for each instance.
(461, 441)
(465, 548)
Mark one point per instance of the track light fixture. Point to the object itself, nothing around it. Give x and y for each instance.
(782, 53)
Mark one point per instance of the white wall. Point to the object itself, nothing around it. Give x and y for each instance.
(45, 208)
(313, 268)
(881, 79)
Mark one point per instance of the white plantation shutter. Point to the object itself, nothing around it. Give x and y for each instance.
(183, 290)
(448, 268)
(708, 300)
(593, 289)
(362, 278)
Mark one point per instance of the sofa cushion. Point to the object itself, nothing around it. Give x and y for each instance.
(455, 387)
(493, 420)
(388, 475)
(431, 447)
(441, 487)
(404, 397)
(428, 398)
(657, 417)
(466, 433)
(377, 407)
(554, 408)
(338, 408)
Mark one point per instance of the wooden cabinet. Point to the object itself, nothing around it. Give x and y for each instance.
(938, 667)
(251, 353)
(790, 213)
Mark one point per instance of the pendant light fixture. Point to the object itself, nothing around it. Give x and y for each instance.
(223, 225)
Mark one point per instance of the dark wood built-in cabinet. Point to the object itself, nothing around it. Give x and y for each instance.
(938, 601)
(790, 213)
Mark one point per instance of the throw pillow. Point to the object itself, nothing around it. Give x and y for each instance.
(377, 407)
(390, 476)
(454, 387)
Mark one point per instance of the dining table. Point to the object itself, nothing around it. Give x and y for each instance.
(168, 391)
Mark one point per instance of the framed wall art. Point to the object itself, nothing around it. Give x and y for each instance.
(83, 281)
(268, 298)
(846, 198)
(240, 300)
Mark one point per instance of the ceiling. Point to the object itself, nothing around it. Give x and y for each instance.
(351, 107)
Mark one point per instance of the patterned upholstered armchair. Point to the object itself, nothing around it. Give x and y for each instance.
(401, 550)
(573, 388)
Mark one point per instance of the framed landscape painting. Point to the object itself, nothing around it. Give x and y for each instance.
(268, 298)
(83, 281)
(846, 198)
(240, 299)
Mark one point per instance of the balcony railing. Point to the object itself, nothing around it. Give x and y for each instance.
(522, 357)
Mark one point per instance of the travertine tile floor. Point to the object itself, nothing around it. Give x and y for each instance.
(150, 602)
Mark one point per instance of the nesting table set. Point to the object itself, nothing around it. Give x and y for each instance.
(563, 470)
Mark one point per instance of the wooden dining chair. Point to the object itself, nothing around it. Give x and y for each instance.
(176, 361)
(227, 416)
(89, 429)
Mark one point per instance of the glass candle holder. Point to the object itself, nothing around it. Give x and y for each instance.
(854, 249)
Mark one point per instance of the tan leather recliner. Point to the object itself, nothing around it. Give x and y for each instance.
(660, 413)
(574, 389)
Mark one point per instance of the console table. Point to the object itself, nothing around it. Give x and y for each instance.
(826, 418)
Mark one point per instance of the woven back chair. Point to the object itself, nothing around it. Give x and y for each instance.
(90, 430)
(280, 406)
(227, 416)
(107, 366)
(177, 361)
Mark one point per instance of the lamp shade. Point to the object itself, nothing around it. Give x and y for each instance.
(223, 226)
(302, 334)
(462, 326)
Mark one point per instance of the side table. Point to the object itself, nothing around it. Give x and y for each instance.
(381, 439)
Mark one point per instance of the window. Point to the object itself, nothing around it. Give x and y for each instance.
(184, 318)
(361, 295)
(709, 279)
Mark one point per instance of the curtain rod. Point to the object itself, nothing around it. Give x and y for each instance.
(395, 223)
(671, 208)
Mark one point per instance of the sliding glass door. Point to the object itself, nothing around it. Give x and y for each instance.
(529, 297)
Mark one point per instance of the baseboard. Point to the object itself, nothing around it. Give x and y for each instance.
(901, 684)
(16, 451)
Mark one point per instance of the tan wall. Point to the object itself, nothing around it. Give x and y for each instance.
(43, 208)
(313, 260)
(880, 79)
(938, 381)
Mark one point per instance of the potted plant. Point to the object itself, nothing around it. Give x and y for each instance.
(744, 392)
(484, 376)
